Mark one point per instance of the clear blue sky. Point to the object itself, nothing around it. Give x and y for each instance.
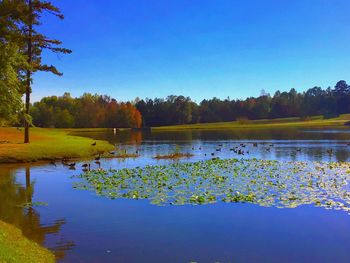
(197, 48)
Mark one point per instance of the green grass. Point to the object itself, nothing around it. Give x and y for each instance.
(14, 247)
(74, 130)
(316, 121)
(46, 144)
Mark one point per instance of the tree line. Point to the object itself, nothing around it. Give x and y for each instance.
(172, 110)
(87, 111)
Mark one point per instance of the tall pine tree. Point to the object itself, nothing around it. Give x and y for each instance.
(35, 42)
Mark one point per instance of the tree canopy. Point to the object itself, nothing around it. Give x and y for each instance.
(22, 19)
(87, 111)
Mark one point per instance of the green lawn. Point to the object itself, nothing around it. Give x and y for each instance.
(46, 144)
(316, 121)
(14, 247)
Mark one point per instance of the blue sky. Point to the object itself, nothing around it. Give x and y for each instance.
(196, 48)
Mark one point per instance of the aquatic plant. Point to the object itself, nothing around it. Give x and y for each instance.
(177, 154)
(262, 182)
(174, 156)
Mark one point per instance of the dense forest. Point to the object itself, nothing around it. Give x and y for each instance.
(102, 111)
(87, 111)
(181, 110)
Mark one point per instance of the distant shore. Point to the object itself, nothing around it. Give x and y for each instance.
(311, 122)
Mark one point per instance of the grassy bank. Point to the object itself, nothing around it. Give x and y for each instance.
(317, 121)
(46, 144)
(14, 247)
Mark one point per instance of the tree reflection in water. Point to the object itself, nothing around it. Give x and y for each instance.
(13, 196)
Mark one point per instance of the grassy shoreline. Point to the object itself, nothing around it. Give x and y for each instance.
(313, 122)
(47, 144)
(14, 247)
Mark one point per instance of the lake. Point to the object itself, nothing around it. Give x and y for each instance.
(308, 219)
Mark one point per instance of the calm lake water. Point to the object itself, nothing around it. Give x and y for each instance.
(81, 226)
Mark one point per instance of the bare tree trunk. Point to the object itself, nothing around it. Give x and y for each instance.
(26, 124)
(29, 73)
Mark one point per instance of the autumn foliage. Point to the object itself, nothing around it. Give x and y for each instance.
(87, 111)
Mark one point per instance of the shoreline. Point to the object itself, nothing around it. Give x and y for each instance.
(313, 122)
(47, 145)
(15, 247)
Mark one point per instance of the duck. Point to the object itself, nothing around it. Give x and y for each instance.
(93, 144)
(85, 165)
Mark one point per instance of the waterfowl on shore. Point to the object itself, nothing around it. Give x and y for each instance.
(93, 144)
(71, 165)
(98, 157)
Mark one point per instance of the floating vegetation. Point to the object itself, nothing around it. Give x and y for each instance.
(173, 156)
(121, 154)
(266, 183)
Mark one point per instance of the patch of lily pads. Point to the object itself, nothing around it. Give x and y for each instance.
(264, 182)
